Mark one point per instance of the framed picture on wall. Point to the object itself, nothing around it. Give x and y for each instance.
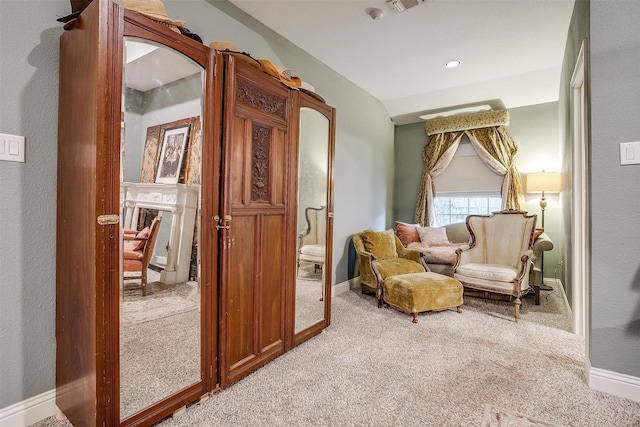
(172, 151)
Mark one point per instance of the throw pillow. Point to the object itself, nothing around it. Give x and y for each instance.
(136, 245)
(407, 233)
(536, 233)
(433, 236)
(380, 243)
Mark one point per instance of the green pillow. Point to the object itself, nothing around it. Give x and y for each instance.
(380, 243)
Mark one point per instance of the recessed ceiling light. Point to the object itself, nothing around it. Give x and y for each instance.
(453, 63)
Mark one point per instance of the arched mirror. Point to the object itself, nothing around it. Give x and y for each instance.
(160, 304)
(313, 250)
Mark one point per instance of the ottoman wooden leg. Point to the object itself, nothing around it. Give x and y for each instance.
(459, 309)
(415, 317)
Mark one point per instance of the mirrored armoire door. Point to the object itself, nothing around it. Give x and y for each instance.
(312, 290)
(160, 295)
(136, 261)
(168, 257)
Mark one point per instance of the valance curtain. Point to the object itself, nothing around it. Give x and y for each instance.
(494, 146)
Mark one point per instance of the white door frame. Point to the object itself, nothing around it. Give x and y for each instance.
(580, 218)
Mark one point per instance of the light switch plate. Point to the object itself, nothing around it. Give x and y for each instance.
(12, 147)
(630, 153)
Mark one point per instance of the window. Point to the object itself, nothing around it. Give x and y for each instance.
(452, 209)
(466, 187)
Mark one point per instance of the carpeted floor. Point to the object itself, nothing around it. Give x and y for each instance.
(159, 342)
(373, 367)
(309, 305)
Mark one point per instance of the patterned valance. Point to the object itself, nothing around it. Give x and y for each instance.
(468, 121)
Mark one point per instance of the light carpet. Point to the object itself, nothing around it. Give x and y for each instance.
(373, 367)
(498, 417)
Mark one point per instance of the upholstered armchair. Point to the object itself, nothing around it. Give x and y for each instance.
(381, 255)
(137, 251)
(500, 255)
(312, 241)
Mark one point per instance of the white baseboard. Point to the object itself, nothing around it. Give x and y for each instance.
(29, 411)
(620, 385)
(341, 288)
(557, 285)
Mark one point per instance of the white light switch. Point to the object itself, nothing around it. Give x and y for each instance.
(11, 147)
(630, 153)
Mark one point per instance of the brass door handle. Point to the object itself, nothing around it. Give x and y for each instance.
(218, 220)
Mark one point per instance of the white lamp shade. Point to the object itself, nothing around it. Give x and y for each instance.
(549, 182)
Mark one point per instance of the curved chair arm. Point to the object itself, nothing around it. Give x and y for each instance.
(468, 254)
(522, 279)
(412, 254)
(305, 238)
(366, 254)
(367, 274)
(132, 237)
(525, 263)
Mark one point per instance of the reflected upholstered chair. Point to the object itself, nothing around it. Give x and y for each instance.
(312, 241)
(137, 251)
(500, 255)
(381, 255)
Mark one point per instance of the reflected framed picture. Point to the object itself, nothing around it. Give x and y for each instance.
(172, 151)
(150, 154)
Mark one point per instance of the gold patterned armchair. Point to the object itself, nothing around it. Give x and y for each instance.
(381, 255)
(500, 255)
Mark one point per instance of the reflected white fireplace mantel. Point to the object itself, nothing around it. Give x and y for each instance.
(179, 199)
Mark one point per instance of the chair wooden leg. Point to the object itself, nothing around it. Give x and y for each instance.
(459, 309)
(414, 317)
(536, 294)
(379, 296)
(143, 279)
(516, 306)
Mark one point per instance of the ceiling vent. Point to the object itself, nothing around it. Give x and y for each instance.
(402, 5)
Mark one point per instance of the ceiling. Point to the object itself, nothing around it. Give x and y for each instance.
(511, 50)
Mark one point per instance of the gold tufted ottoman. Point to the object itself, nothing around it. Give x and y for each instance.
(417, 292)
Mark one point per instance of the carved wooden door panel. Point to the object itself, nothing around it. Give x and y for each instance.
(253, 224)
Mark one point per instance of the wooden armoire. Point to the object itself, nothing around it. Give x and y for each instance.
(153, 123)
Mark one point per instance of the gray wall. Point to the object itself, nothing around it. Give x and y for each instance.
(615, 223)
(29, 38)
(28, 106)
(578, 31)
(535, 130)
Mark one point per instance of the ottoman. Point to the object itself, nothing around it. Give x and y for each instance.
(417, 292)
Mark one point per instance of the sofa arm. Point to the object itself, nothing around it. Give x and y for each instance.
(542, 243)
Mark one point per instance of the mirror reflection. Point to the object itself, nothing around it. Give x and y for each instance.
(312, 218)
(160, 196)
